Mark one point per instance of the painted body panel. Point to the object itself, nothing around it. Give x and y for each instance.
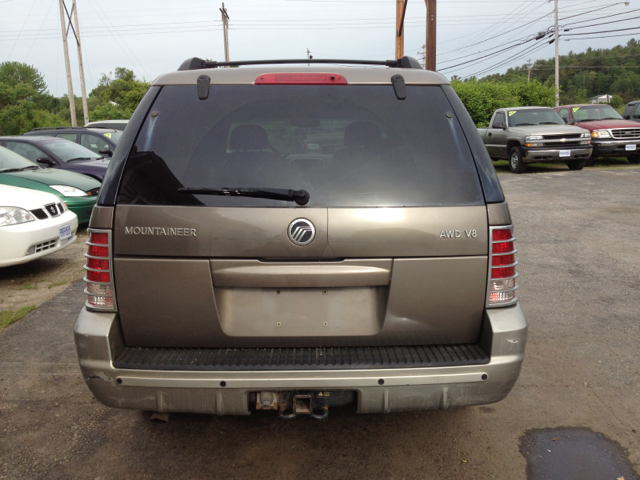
(41, 179)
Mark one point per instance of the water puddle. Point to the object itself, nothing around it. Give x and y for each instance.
(574, 453)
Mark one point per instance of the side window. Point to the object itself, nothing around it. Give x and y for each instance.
(27, 151)
(68, 136)
(498, 118)
(564, 113)
(92, 142)
(636, 113)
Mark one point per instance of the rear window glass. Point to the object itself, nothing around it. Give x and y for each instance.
(351, 146)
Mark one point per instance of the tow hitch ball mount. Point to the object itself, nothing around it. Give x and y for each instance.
(291, 404)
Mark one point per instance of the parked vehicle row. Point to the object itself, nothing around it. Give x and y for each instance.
(535, 134)
(58, 153)
(574, 134)
(78, 192)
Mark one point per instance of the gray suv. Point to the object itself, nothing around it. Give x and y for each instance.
(287, 237)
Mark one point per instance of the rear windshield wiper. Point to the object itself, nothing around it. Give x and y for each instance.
(301, 197)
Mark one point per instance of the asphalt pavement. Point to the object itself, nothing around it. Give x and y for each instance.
(578, 397)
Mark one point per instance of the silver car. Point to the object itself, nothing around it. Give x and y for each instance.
(287, 237)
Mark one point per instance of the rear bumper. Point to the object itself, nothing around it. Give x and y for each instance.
(532, 155)
(99, 340)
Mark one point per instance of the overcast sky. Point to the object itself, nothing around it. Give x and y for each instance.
(151, 37)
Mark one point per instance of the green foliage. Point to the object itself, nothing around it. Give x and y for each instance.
(482, 98)
(7, 317)
(24, 101)
(117, 97)
(612, 71)
(617, 102)
(26, 104)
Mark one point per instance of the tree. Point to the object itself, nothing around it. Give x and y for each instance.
(482, 98)
(24, 101)
(594, 72)
(117, 97)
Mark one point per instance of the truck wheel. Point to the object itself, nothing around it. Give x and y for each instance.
(633, 159)
(516, 164)
(576, 164)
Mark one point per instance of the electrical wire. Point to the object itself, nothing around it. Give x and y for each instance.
(20, 33)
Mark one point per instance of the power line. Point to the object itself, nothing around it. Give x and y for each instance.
(20, 33)
(602, 31)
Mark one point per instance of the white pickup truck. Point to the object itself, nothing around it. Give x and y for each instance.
(535, 134)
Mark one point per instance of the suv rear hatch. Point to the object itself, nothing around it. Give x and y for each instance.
(399, 255)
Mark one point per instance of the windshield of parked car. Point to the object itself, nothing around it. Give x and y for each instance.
(596, 112)
(68, 151)
(348, 146)
(10, 161)
(113, 136)
(534, 116)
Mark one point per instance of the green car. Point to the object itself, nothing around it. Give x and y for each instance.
(78, 191)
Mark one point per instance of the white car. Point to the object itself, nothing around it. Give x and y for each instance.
(33, 224)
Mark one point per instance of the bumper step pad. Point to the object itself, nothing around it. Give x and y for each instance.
(323, 358)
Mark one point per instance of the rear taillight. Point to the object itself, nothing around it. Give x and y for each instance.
(501, 285)
(99, 267)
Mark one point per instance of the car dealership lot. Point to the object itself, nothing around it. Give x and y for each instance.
(579, 286)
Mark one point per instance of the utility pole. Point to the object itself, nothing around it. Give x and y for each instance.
(225, 29)
(401, 8)
(423, 56)
(557, 57)
(85, 108)
(430, 63)
(72, 105)
(529, 71)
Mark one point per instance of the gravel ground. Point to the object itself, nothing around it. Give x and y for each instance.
(579, 274)
(36, 282)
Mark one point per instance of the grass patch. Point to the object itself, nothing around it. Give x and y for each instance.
(8, 317)
(28, 286)
(56, 284)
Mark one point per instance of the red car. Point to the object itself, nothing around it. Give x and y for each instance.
(611, 135)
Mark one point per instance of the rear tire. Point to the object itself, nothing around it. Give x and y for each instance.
(516, 164)
(576, 164)
(633, 159)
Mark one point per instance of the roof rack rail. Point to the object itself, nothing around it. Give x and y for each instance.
(195, 63)
(57, 128)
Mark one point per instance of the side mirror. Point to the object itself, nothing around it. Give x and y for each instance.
(46, 161)
(105, 152)
(499, 125)
(571, 121)
(626, 117)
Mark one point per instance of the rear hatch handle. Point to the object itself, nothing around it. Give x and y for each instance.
(301, 197)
